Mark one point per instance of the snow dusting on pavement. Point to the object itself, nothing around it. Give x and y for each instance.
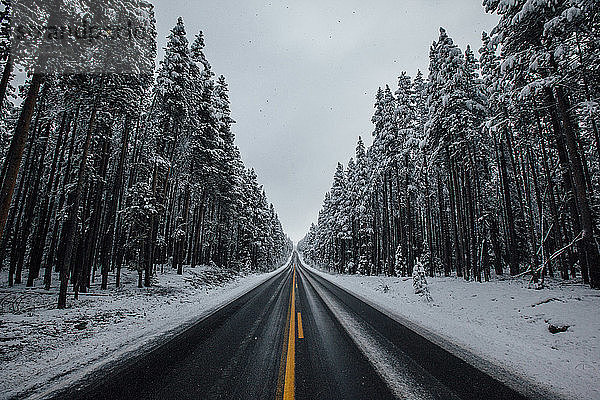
(402, 375)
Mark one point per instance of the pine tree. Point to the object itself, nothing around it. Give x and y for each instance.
(120, 170)
(479, 164)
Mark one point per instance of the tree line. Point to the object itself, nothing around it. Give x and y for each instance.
(112, 170)
(489, 165)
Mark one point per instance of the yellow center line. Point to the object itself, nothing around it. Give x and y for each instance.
(289, 386)
(300, 330)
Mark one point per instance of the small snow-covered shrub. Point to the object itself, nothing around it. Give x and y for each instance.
(400, 261)
(350, 268)
(420, 282)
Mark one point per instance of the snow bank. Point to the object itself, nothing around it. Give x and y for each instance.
(43, 349)
(504, 323)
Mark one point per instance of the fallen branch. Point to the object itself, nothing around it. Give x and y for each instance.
(545, 302)
(553, 257)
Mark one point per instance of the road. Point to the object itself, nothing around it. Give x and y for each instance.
(297, 336)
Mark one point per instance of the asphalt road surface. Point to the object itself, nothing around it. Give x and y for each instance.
(297, 336)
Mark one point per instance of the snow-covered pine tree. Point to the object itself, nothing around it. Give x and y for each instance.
(539, 41)
(463, 165)
(420, 282)
(111, 175)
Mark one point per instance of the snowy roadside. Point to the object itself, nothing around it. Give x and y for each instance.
(43, 349)
(504, 323)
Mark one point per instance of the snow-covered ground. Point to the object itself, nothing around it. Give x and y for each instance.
(503, 322)
(43, 349)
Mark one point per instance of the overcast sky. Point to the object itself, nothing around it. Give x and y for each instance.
(303, 77)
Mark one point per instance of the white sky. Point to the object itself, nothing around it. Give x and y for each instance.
(303, 77)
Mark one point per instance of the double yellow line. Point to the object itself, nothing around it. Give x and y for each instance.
(289, 387)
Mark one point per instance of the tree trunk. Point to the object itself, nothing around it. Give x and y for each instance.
(41, 232)
(111, 213)
(70, 225)
(446, 251)
(6, 75)
(15, 151)
(576, 163)
(512, 248)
